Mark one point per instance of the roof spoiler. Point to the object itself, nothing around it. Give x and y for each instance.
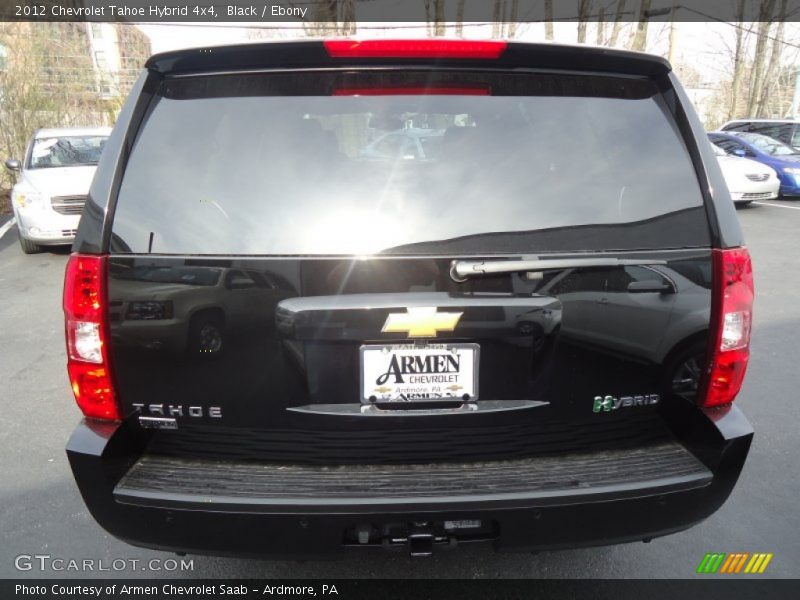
(316, 54)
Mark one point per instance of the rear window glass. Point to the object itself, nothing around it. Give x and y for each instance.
(363, 163)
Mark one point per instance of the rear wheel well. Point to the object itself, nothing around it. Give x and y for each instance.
(682, 372)
(212, 312)
(684, 344)
(206, 336)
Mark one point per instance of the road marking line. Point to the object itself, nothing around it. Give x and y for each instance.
(777, 205)
(7, 226)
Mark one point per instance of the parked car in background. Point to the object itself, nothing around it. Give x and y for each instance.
(184, 308)
(747, 180)
(784, 159)
(783, 130)
(54, 181)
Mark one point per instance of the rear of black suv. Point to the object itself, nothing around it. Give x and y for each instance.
(410, 295)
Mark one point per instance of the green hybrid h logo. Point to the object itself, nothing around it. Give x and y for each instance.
(603, 403)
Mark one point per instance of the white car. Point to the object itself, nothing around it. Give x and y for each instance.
(54, 181)
(747, 180)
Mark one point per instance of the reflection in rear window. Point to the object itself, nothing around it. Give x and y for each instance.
(285, 165)
(184, 275)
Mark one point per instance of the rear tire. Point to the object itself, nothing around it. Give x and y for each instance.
(28, 247)
(206, 335)
(684, 371)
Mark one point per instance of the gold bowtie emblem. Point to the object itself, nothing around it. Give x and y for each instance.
(421, 321)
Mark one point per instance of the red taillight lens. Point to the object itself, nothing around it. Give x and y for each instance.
(86, 322)
(732, 315)
(412, 91)
(423, 48)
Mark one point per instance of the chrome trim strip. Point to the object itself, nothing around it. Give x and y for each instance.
(362, 410)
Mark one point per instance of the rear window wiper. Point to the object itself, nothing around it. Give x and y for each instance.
(461, 270)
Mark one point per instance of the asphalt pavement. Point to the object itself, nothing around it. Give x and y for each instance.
(41, 512)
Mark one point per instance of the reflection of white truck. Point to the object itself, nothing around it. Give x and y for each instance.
(54, 181)
(188, 308)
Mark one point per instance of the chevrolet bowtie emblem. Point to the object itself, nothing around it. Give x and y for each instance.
(421, 321)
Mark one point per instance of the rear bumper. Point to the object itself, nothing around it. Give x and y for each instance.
(257, 510)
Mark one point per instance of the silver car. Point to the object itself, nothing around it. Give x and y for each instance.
(54, 181)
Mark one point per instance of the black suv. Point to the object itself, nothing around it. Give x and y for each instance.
(406, 294)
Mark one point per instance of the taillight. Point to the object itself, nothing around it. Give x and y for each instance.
(422, 48)
(731, 319)
(413, 91)
(86, 321)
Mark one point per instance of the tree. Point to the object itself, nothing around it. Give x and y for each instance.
(601, 26)
(739, 57)
(771, 79)
(438, 15)
(325, 19)
(612, 41)
(640, 37)
(348, 26)
(548, 19)
(497, 17)
(434, 16)
(48, 81)
(504, 15)
(584, 9)
(765, 13)
(511, 30)
(460, 18)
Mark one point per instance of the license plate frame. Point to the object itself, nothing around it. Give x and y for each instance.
(369, 396)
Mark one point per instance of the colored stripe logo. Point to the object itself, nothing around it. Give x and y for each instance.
(735, 562)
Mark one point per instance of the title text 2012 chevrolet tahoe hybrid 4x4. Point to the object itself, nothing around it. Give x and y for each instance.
(529, 332)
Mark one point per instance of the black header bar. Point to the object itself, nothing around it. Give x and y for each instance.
(410, 11)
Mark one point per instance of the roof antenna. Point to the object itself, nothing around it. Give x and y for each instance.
(150, 244)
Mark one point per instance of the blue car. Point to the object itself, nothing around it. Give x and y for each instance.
(784, 159)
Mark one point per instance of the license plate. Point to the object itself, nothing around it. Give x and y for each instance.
(409, 373)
